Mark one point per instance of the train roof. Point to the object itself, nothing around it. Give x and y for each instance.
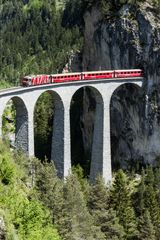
(90, 72)
(127, 70)
(65, 74)
(38, 75)
(110, 71)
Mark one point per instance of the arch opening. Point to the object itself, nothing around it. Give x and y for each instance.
(126, 124)
(15, 124)
(48, 112)
(86, 123)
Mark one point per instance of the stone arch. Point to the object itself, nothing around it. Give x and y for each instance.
(124, 128)
(57, 140)
(21, 123)
(95, 106)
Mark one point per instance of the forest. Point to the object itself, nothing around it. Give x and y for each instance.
(37, 25)
(36, 204)
(51, 31)
(40, 36)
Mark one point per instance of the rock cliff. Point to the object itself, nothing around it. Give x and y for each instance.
(125, 39)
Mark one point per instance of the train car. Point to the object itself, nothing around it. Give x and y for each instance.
(128, 73)
(97, 75)
(34, 80)
(40, 79)
(26, 81)
(65, 77)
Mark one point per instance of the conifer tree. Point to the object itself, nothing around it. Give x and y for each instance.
(109, 224)
(50, 187)
(99, 195)
(139, 196)
(151, 200)
(145, 227)
(104, 216)
(76, 222)
(121, 203)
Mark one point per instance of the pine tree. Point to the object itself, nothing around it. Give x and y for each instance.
(121, 203)
(76, 222)
(145, 227)
(49, 187)
(104, 216)
(99, 195)
(139, 196)
(151, 200)
(109, 224)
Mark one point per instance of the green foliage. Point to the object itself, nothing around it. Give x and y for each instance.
(36, 25)
(8, 119)
(35, 4)
(78, 171)
(122, 204)
(75, 221)
(104, 216)
(4, 84)
(25, 217)
(7, 168)
(34, 201)
(147, 203)
(146, 229)
(109, 8)
(98, 197)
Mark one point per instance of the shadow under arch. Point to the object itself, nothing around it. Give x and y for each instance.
(49, 120)
(126, 106)
(19, 120)
(86, 120)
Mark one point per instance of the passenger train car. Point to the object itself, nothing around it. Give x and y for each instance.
(34, 80)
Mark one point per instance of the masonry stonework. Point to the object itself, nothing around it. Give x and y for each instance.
(25, 100)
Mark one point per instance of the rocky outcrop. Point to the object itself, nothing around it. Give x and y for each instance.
(128, 38)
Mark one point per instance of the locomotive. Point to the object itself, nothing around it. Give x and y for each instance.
(34, 80)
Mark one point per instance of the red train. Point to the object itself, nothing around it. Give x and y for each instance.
(79, 76)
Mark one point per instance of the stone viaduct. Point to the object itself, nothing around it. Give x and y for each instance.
(25, 100)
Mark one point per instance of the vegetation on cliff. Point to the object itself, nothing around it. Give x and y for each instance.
(33, 40)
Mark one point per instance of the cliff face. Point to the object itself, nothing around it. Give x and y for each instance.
(130, 38)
